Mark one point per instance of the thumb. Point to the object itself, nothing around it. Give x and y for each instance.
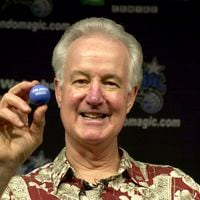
(38, 123)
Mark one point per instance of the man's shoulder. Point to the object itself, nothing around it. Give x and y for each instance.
(154, 173)
(147, 173)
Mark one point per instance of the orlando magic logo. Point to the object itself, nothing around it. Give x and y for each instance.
(39, 8)
(153, 88)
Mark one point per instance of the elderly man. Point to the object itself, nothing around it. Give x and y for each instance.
(98, 71)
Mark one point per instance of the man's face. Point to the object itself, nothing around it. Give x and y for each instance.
(94, 97)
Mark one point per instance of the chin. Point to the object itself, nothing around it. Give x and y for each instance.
(93, 138)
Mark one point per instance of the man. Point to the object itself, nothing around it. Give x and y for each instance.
(97, 75)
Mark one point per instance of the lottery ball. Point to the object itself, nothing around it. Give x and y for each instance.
(39, 95)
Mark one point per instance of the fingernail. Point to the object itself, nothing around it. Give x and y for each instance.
(20, 124)
(27, 108)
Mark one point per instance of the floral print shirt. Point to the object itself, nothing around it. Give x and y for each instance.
(134, 181)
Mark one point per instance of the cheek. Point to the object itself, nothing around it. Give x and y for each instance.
(118, 102)
(72, 98)
(69, 106)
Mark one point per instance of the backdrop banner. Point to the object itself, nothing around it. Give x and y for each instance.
(163, 126)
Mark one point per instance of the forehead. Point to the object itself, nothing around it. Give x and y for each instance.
(98, 44)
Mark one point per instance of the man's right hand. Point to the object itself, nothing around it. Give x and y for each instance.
(18, 137)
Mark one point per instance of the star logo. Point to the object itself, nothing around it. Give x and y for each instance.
(39, 160)
(154, 67)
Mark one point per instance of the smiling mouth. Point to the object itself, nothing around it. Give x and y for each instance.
(94, 115)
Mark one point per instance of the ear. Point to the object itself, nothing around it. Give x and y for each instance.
(131, 98)
(58, 92)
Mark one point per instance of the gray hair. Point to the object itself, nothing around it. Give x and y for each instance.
(105, 26)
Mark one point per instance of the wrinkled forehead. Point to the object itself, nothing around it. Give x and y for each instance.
(97, 44)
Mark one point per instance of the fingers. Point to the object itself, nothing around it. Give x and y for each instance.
(23, 87)
(17, 95)
(10, 100)
(8, 116)
(13, 105)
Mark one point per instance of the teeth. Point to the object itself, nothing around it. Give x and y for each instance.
(93, 115)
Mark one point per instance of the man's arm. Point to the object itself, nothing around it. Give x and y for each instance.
(18, 137)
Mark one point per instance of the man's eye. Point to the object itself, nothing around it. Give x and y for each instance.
(111, 84)
(80, 82)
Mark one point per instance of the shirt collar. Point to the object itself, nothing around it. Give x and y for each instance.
(60, 167)
(136, 170)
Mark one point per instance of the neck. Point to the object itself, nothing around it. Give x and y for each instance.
(95, 162)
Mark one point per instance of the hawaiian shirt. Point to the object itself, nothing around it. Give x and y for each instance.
(134, 181)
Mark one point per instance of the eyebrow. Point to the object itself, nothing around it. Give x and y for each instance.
(78, 72)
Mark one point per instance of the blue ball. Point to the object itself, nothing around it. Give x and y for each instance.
(39, 95)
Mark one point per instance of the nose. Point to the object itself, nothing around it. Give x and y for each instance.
(94, 94)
